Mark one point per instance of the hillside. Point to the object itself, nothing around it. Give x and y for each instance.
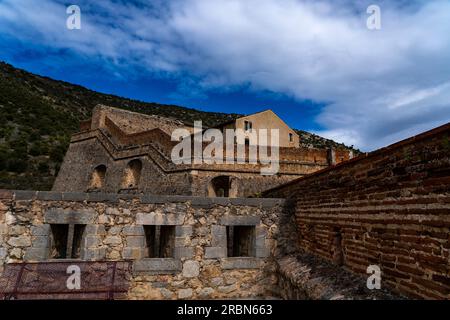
(39, 114)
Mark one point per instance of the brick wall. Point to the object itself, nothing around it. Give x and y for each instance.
(390, 208)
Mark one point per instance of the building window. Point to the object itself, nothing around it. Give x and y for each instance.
(247, 126)
(160, 241)
(291, 137)
(221, 186)
(66, 241)
(241, 241)
(132, 174)
(98, 178)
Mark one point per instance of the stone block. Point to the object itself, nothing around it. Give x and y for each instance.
(184, 293)
(191, 269)
(218, 236)
(154, 218)
(183, 231)
(25, 195)
(3, 228)
(92, 254)
(132, 253)
(36, 254)
(20, 241)
(40, 241)
(40, 230)
(92, 241)
(262, 252)
(69, 216)
(49, 196)
(215, 252)
(95, 229)
(135, 241)
(133, 230)
(184, 252)
(157, 265)
(74, 196)
(240, 263)
(233, 220)
(3, 253)
(113, 240)
(201, 202)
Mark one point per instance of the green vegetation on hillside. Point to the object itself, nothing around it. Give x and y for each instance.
(39, 115)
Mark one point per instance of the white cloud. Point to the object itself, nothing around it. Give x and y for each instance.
(380, 86)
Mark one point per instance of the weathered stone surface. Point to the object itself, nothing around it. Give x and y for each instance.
(20, 241)
(184, 293)
(184, 252)
(191, 269)
(232, 220)
(183, 231)
(206, 293)
(135, 241)
(132, 253)
(133, 230)
(67, 216)
(157, 265)
(241, 263)
(92, 241)
(40, 230)
(114, 240)
(40, 241)
(95, 229)
(94, 254)
(3, 228)
(227, 289)
(215, 252)
(155, 218)
(167, 294)
(36, 254)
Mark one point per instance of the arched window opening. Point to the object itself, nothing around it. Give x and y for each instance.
(220, 186)
(132, 174)
(98, 178)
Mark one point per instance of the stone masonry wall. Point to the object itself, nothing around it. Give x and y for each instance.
(389, 208)
(199, 268)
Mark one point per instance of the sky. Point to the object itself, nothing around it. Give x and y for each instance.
(314, 62)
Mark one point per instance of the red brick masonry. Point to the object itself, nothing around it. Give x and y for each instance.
(390, 207)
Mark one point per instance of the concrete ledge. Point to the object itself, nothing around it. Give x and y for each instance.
(241, 263)
(157, 265)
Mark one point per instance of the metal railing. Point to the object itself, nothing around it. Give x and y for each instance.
(99, 280)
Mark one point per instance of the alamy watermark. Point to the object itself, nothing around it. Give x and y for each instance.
(232, 142)
(374, 20)
(74, 280)
(374, 280)
(74, 19)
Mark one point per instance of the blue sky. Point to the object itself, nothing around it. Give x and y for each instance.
(315, 63)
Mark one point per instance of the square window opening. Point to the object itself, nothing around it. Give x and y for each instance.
(241, 241)
(160, 241)
(66, 241)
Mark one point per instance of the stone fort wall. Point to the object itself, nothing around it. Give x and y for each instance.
(115, 229)
(389, 208)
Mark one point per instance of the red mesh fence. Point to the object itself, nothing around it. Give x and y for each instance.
(48, 280)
